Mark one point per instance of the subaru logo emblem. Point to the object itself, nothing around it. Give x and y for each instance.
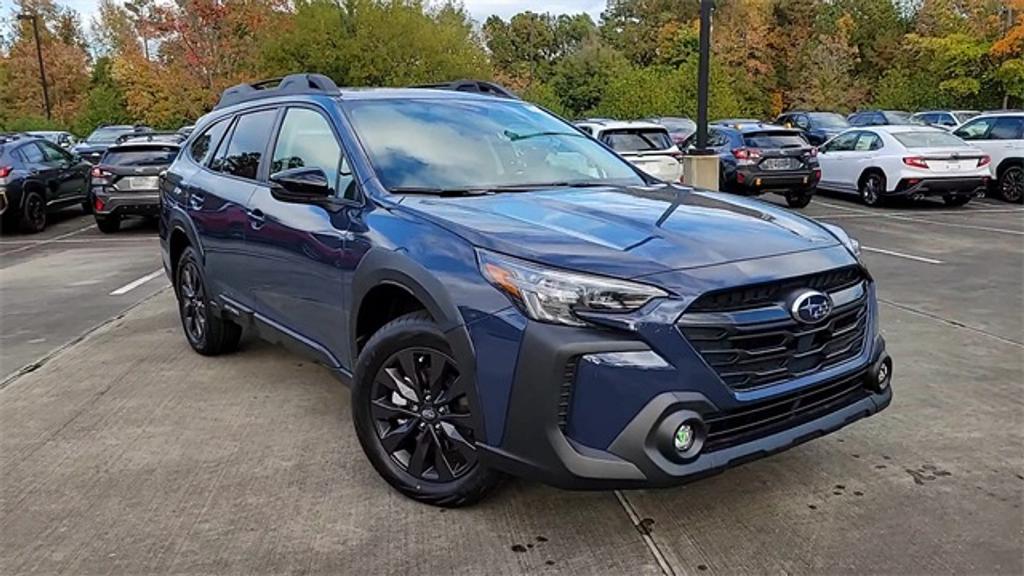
(811, 307)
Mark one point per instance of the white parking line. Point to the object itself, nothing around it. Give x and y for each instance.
(901, 255)
(136, 283)
(49, 240)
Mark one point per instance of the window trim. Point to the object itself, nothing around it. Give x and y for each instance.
(337, 197)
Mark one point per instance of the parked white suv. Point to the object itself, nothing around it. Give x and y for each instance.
(1001, 136)
(646, 145)
(907, 161)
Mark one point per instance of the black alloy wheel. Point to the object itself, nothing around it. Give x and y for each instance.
(422, 415)
(192, 294)
(871, 189)
(33, 214)
(1011, 184)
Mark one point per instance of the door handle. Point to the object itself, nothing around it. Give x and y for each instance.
(256, 218)
(196, 201)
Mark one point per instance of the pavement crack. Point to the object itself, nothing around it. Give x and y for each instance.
(643, 527)
(951, 322)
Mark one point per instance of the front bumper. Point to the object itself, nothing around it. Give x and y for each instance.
(578, 423)
(113, 203)
(922, 188)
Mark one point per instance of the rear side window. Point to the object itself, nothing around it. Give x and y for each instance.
(774, 140)
(1007, 128)
(867, 141)
(204, 144)
(32, 154)
(151, 156)
(247, 142)
(927, 139)
(637, 140)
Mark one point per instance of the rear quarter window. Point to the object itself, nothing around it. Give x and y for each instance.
(637, 139)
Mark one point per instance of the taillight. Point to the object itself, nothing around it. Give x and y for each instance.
(746, 153)
(916, 162)
(5, 171)
(984, 161)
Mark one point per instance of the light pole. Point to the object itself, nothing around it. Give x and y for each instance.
(700, 164)
(39, 55)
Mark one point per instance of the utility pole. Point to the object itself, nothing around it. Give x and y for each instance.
(39, 55)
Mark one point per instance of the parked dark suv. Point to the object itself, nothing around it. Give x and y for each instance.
(505, 294)
(37, 178)
(755, 158)
(124, 181)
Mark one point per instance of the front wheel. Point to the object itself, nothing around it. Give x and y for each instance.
(1011, 184)
(207, 333)
(954, 201)
(413, 413)
(799, 199)
(871, 188)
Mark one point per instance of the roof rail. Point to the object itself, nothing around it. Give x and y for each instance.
(291, 84)
(474, 86)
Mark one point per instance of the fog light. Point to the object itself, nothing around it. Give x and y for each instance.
(884, 372)
(684, 437)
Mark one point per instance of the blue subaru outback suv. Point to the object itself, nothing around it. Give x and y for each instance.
(507, 295)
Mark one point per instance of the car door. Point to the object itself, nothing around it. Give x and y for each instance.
(833, 158)
(71, 176)
(297, 250)
(865, 154)
(41, 170)
(217, 197)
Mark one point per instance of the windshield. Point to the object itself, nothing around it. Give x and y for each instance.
(637, 139)
(777, 139)
(828, 120)
(928, 139)
(449, 144)
(106, 135)
(141, 156)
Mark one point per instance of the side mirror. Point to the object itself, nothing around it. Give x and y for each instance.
(307, 185)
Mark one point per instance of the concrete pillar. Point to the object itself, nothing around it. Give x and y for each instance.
(701, 171)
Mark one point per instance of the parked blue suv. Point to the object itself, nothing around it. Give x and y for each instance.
(507, 295)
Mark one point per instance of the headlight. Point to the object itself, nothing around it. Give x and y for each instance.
(550, 295)
(851, 243)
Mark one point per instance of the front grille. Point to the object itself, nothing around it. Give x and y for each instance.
(771, 416)
(757, 295)
(751, 355)
(565, 392)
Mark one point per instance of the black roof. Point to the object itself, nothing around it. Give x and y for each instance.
(472, 86)
(288, 85)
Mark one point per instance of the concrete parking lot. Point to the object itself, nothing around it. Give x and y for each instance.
(123, 452)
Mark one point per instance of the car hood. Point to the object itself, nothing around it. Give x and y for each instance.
(624, 232)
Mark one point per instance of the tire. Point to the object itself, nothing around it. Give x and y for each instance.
(32, 218)
(955, 201)
(799, 199)
(108, 224)
(207, 333)
(1011, 184)
(420, 443)
(872, 185)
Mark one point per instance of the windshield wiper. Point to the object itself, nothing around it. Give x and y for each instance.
(535, 186)
(427, 190)
(514, 136)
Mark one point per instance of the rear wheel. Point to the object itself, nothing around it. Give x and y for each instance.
(207, 333)
(33, 213)
(799, 198)
(871, 187)
(108, 224)
(1011, 184)
(414, 415)
(956, 200)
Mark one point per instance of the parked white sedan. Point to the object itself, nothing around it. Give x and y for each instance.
(915, 162)
(646, 145)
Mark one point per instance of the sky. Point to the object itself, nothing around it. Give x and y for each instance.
(478, 9)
